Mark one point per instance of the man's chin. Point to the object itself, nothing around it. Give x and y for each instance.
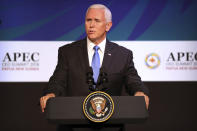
(92, 39)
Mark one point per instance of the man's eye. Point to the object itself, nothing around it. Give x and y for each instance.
(97, 20)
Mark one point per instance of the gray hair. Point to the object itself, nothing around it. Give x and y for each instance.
(108, 15)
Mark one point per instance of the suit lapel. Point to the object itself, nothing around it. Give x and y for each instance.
(83, 54)
(107, 55)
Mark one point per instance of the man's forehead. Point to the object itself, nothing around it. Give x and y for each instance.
(95, 11)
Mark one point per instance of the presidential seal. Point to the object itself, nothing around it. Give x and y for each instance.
(98, 106)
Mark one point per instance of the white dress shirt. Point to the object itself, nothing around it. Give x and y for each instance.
(101, 51)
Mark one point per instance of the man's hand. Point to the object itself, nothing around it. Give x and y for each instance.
(145, 97)
(43, 100)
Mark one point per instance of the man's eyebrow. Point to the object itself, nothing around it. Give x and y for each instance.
(96, 19)
(88, 18)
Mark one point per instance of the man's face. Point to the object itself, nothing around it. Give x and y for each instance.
(96, 25)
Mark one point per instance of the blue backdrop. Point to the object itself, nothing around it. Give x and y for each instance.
(64, 19)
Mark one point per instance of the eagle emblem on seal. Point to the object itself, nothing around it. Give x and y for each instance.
(98, 106)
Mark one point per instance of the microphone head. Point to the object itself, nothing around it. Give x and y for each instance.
(102, 76)
(90, 79)
(104, 80)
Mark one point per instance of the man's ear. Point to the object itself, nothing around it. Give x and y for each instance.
(108, 26)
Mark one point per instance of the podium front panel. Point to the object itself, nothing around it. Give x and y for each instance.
(69, 110)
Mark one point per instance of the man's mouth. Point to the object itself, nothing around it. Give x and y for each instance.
(91, 32)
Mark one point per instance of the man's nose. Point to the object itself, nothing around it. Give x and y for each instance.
(92, 23)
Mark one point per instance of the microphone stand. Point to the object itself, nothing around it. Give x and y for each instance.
(99, 86)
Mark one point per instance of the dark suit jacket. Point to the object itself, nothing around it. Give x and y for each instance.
(69, 77)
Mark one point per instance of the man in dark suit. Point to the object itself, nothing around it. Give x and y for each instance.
(69, 77)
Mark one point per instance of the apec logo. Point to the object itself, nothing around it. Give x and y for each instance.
(152, 60)
(182, 56)
(181, 61)
(20, 61)
(21, 57)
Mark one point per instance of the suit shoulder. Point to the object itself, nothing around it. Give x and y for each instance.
(72, 45)
(120, 48)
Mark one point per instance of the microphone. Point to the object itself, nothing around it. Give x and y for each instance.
(90, 79)
(102, 78)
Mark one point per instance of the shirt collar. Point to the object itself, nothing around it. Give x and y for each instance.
(101, 45)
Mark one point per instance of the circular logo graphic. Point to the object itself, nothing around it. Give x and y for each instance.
(98, 106)
(152, 61)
